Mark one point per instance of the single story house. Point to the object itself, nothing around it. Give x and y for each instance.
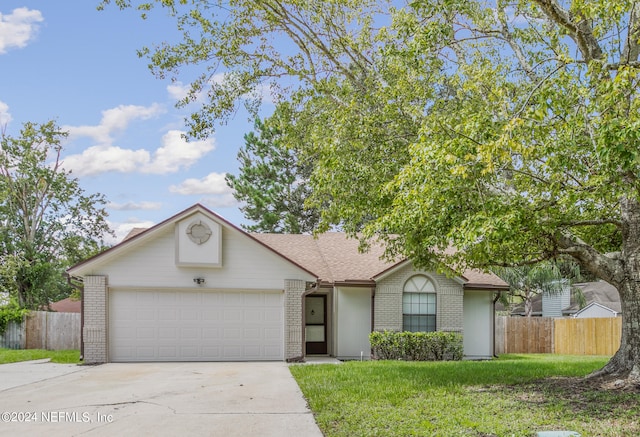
(197, 288)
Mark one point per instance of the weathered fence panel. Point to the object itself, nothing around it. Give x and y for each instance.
(13, 337)
(590, 336)
(528, 335)
(44, 330)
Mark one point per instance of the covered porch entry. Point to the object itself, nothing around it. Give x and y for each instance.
(337, 322)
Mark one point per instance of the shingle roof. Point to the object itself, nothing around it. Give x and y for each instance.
(335, 258)
(597, 292)
(133, 232)
(66, 306)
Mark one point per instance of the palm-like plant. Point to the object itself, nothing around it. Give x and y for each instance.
(528, 281)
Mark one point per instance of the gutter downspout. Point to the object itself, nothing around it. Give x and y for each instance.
(493, 321)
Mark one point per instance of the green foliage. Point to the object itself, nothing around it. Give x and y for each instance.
(47, 222)
(11, 313)
(273, 184)
(416, 346)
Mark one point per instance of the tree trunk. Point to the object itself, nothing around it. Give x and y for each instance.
(625, 364)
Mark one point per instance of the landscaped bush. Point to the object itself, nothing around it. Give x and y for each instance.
(416, 346)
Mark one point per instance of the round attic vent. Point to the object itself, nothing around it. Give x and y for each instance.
(199, 232)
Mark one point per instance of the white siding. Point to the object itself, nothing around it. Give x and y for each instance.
(478, 324)
(553, 304)
(594, 310)
(246, 264)
(353, 308)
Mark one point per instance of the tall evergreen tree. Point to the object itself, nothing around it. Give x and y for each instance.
(273, 184)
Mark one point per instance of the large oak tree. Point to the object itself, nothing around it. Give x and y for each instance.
(507, 130)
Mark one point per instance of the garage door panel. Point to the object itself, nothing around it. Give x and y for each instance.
(272, 315)
(230, 299)
(195, 326)
(213, 315)
(168, 314)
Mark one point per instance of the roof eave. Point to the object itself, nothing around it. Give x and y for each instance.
(474, 286)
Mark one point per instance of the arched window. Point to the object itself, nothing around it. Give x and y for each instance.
(419, 305)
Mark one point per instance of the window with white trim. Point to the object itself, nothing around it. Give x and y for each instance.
(419, 305)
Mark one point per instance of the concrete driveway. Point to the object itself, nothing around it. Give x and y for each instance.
(139, 399)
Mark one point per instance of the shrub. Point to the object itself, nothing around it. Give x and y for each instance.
(416, 346)
(11, 313)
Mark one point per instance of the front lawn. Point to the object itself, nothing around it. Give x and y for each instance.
(515, 395)
(13, 356)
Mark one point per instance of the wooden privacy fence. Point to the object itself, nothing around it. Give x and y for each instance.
(43, 330)
(593, 336)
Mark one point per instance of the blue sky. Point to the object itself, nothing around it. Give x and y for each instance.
(66, 61)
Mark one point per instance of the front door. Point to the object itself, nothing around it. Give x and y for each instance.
(315, 313)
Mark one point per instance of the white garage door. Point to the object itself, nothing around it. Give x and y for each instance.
(189, 325)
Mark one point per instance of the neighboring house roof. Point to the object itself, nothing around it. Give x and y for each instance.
(594, 306)
(133, 232)
(599, 292)
(331, 257)
(67, 305)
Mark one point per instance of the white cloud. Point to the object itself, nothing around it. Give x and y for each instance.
(122, 229)
(178, 90)
(114, 120)
(213, 183)
(174, 154)
(5, 116)
(134, 206)
(18, 28)
(99, 159)
(177, 153)
(221, 201)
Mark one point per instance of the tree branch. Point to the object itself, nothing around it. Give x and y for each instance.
(595, 222)
(580, 31)
(631, 49)
(601, 265)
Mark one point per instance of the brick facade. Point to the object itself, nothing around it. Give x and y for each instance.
(388, 301)
(293, 291)
(94, 331)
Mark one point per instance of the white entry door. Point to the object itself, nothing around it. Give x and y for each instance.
(188, 325)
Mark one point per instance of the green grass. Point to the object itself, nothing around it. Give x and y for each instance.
(14, 356)
(515, 395)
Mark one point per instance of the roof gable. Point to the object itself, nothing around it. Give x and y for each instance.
(138, 237)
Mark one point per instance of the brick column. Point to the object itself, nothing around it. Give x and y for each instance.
(94, 330)
(293, 291)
